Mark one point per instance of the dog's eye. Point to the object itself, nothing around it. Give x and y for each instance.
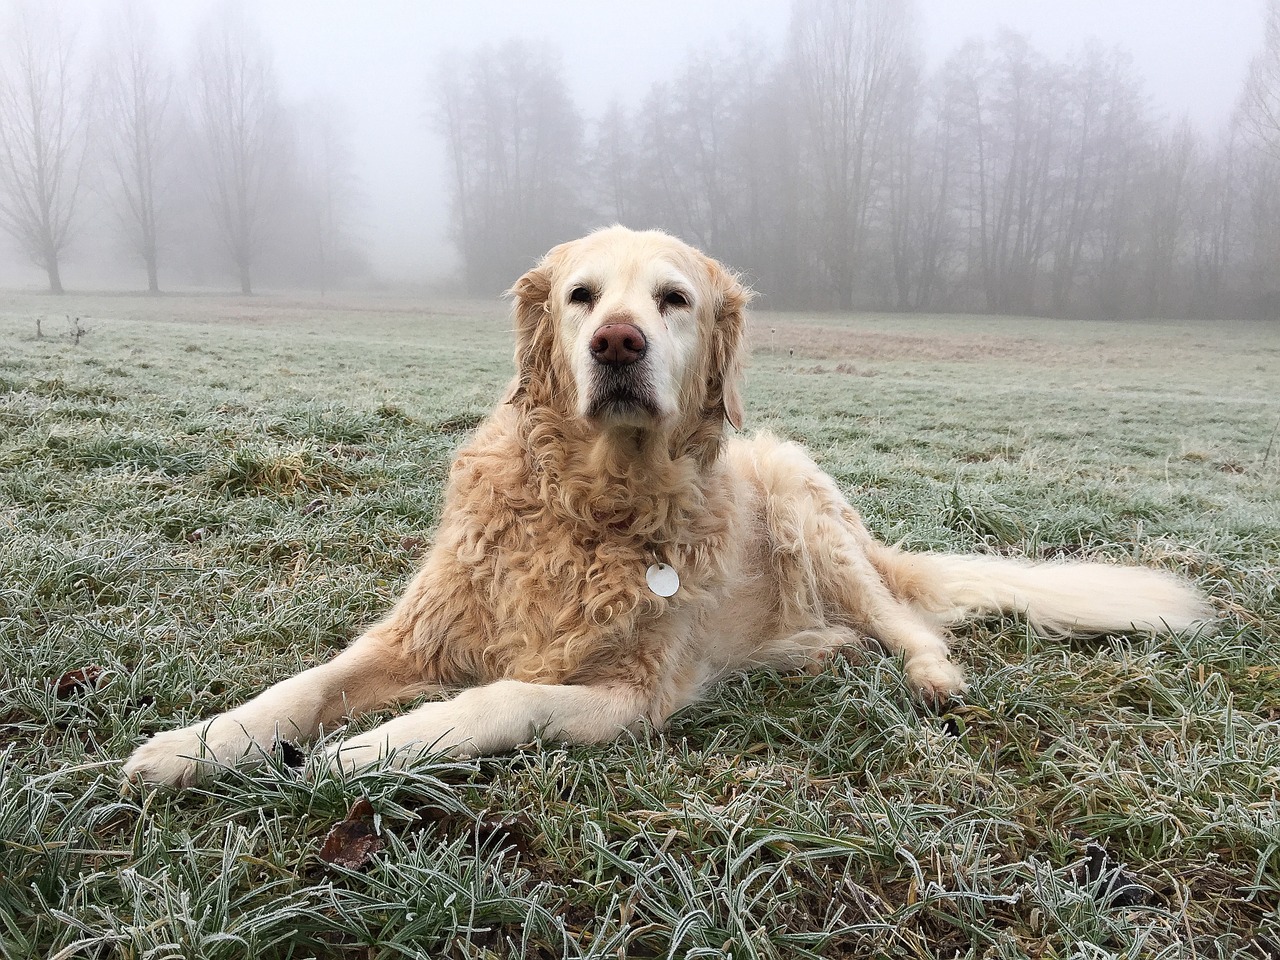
(674, 298)
(581, 295)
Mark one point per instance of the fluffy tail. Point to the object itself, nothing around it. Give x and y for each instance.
(1055, 598)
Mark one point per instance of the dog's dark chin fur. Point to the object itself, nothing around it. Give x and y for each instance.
(622, 408)
(622, 398)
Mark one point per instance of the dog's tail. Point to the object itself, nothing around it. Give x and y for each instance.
(1070, 598)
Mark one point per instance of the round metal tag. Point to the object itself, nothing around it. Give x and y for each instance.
(663, 580)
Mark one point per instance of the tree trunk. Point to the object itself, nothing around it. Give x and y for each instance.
(153, 275)
(55, 278)
(246, 286)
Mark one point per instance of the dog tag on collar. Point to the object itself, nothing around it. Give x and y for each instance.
(663, 580)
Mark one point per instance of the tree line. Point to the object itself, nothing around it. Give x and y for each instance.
(830, 166)
(202, 171)
(838, 173)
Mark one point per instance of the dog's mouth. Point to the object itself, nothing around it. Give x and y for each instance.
(621, 395)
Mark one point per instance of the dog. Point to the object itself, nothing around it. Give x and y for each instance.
(607, 551)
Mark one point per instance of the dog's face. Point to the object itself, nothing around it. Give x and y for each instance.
(630, 329)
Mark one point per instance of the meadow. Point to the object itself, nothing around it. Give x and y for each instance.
(201, 495)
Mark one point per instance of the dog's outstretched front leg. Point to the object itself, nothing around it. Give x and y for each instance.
(495, 717)
(369, 674)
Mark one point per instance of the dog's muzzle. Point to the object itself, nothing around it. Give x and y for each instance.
(621, 387)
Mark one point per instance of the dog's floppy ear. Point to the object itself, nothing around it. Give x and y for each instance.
(728, 341)
(535, 337)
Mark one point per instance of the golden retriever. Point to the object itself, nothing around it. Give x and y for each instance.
(606, 552)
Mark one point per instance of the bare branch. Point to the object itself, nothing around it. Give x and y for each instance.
(44, 107)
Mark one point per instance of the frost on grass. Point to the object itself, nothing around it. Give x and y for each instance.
(199, 502)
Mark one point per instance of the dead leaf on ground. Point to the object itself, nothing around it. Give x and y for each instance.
(353, 842)
(413, 544)
(77, 681)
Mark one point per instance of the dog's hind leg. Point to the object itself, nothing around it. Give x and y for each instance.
(819, 550)
(855, 589)
(369, 674)
(852, 591)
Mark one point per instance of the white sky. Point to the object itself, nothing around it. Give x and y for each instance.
(374, 56)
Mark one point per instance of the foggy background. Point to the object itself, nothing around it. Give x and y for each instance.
(1074, 158)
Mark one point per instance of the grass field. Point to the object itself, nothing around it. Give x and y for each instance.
(202, 495)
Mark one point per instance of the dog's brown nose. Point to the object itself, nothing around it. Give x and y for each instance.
(618, 344)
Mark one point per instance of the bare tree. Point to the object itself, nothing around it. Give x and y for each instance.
(614, 164)
(515, 143)
(326, 189)
(687, 162)
(907, 173)
(1213, 227)
(1260, 186)
(848, 57)
(921, 194)
(1260, 105)
(1259, 120)
(43, 114)
(709, 157)
(1109, 276)
(137, 129)
(238, 119)
(1167, 213)
(1027, 110)
(1102, 117)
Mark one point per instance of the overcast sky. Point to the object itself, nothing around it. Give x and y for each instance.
(374, 56)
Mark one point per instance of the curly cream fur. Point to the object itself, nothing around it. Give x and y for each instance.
(534, 596)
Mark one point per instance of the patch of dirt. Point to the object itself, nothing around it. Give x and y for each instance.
(838, 343)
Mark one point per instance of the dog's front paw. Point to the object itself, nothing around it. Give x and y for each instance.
(935, 680)
(174, 758)
(185, 757)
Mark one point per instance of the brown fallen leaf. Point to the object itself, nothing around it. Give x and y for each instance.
(352, 842)
(77, 681)
(413, 544)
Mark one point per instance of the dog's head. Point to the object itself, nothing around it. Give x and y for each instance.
(626, 329)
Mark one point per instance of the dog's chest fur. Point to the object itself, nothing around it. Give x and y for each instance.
(550, 560)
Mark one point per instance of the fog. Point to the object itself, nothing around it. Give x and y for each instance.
(367, 81)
